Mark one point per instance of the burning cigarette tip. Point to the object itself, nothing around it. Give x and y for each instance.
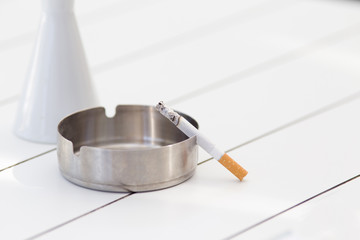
(233, 167)
(170, 114)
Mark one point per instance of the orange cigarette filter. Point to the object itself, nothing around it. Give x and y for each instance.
(233, 166)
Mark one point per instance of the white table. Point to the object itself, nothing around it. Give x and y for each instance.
(276, 83)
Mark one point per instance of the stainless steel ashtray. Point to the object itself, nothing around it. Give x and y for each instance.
(136, 150)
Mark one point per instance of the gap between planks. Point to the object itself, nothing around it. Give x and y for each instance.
(277, 61)
(290, 208)
(26, 160)
(78, 217)
(327, 108)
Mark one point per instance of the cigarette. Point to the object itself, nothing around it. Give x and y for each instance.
(202, 141)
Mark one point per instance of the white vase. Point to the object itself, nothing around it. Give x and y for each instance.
(58, 82)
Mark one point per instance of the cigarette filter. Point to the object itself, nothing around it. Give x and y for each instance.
(202, 141)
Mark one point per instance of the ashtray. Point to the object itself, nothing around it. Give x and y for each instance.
(136, 150)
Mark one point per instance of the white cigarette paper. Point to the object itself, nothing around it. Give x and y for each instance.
(202, 141)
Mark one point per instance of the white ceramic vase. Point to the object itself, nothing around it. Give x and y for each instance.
(58, 82)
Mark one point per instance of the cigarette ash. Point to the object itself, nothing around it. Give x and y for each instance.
(169, 113)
